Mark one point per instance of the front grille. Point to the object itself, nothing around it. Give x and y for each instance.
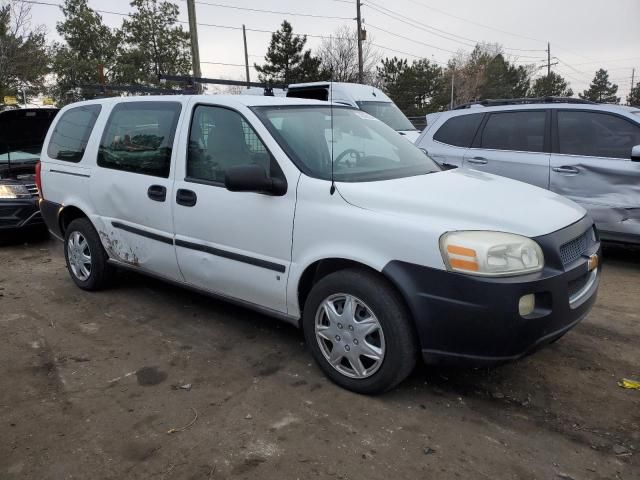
(33, 189)
(574, 249)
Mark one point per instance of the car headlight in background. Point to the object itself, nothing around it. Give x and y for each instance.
(490, 254)
(12, 191)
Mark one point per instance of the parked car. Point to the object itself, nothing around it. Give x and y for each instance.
(587, 152)
(378, 255)
(364, 97)
(22, 133)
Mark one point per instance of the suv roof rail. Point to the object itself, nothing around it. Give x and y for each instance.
(522, 101)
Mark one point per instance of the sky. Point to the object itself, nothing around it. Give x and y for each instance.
(584, 34)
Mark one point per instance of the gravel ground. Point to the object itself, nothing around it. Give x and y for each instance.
(149, 381)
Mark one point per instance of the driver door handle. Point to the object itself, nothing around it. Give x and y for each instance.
(565, 169)
(477, 160)
(186, 198)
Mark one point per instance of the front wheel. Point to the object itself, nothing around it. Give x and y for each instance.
(359, 331)
(85, 256)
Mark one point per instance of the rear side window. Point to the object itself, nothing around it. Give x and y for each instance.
(459, 131)
(596, 134)
(71, 134)
(520, 131)
(138, 137)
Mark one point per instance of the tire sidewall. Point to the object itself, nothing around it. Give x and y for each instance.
(389, 311)
(98, 260)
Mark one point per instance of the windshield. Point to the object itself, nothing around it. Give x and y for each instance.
(389, 113)
(364, 148)
(19, 155)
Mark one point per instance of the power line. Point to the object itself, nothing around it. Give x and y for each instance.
(275, 12)
(476, 23)
(410, 39)
(429, 29)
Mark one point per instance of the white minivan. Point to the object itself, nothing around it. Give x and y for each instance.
(364, 97)
(365, 243)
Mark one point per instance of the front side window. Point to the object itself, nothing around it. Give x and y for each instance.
(138, 138)
(518, 131)
(388, 113)
(220, 138)
(360, 147)
(596, 134)
(459, 131)
(71, 134)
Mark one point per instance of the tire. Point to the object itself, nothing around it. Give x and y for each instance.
(80, 239)
(393, 340)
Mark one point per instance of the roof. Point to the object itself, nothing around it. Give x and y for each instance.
(246, 100)
(604, 107)
(358, 91)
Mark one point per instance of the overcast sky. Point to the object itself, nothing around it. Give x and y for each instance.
(584, 34)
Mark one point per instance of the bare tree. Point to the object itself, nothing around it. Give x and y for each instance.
(339, 56)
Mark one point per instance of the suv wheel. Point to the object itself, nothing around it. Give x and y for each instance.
(359, 331)
(85, 256)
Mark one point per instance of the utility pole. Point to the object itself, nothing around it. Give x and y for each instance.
(633, 78)
(359, 20)
(453, 76)
(548, 59)
(193, 34)
(246, 54)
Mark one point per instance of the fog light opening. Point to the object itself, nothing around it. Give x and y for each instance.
(527, 304)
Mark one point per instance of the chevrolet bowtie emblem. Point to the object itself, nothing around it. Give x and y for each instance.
(593, 262)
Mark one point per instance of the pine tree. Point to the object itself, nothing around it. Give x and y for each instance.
(601, 89)
(552, 85)
(287, 61)
(634, 96)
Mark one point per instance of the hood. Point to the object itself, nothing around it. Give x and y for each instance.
(411, 135)
(465, 199)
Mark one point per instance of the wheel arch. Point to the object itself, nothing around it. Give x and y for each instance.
(319, 269)
(68, 214)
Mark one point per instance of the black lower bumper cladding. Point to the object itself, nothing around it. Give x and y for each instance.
(16, 214)
(470, 320)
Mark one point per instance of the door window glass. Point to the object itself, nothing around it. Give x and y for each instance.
(219, 139)
(519, 131)
(596, 134)
(71, 134)
(459, 131)
(138, 137)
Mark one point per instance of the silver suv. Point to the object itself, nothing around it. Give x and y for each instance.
(587, 152)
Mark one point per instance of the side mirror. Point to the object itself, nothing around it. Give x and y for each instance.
(253, 178)
(635, 154)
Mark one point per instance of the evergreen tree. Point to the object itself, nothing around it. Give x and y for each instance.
(287, 61)
(89, 51)
(601, 89)
(23, 53)
(634, 96)
(154, 44)
(552, 85)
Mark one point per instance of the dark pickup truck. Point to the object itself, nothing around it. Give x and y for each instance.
(22, 133)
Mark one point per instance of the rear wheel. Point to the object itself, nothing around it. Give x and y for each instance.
(359, 331)
(85, 256)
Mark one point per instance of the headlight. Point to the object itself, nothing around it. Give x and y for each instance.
(13, 191)
(490, 254)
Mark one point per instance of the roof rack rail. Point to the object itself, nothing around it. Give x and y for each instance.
(105, 88)
(522, 101)
(192, 81)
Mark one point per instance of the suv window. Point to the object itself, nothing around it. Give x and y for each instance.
(219, 139)
(596, 134)
(519, 131)
(459, 131)
(138, 137)
(71, 134)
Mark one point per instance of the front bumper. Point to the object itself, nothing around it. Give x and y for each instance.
(16, 214)
(470, 320)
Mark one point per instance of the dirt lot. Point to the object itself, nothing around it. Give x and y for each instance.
(89, 388)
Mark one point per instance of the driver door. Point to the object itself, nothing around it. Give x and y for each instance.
(236, 244)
